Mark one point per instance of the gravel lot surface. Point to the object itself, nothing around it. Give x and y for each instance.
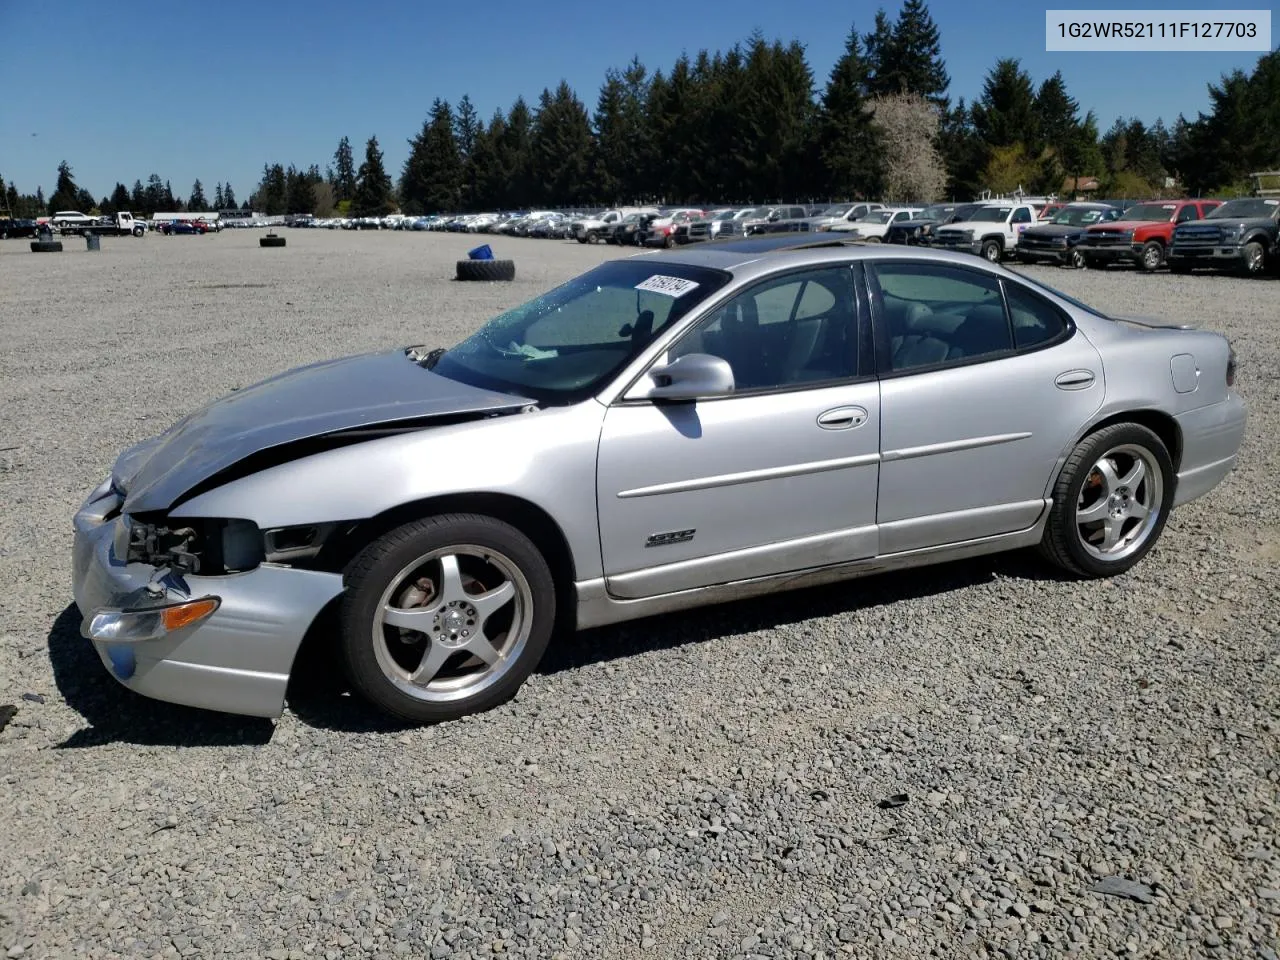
(711, 784)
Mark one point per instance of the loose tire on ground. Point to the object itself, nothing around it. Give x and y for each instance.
(46, 246)
(1074, 538)
(271, 241)
(486, 270)
(445, 575)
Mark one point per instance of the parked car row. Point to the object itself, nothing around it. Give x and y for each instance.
(1241, 235)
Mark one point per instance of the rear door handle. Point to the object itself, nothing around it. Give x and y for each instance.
(842, 418)
(1074, 379)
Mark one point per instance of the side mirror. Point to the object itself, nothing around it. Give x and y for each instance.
(691, 377)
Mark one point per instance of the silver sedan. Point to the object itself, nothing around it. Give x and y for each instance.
(662, 432)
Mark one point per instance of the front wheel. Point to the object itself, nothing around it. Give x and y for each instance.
(1075, 260)
(446, 616)
(992, 251)
(1152, 255)
(1110, 503)
(1254, 257)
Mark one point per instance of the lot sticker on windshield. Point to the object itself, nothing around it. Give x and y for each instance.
(671, 286)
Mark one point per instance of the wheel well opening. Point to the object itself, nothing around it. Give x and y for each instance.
(530, 519)
(1161, 424)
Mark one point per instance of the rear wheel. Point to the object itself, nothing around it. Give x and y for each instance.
(992, 251)
(446, 616)
(1110, 503)
(1152, 255)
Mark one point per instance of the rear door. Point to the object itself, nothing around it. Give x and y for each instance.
(983, 384)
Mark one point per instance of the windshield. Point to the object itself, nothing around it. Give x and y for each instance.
(879, 216)
(1159, 212)
(1077, 217)
(839, 210)
(991, 215)
(1247, 208)
(561, 347)
(936, 212)
(749, 212)
(724, 215)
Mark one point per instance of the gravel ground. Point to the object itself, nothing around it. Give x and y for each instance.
(711, 784)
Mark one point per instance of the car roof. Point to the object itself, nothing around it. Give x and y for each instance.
(764, 254)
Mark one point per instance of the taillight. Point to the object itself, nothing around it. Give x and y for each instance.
(1231, 367)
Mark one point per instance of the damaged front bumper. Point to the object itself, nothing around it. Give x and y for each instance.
(219, 642)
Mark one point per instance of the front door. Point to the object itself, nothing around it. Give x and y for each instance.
(985, 381)
(779, 475)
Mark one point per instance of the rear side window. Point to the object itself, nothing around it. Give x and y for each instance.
(1035, 320)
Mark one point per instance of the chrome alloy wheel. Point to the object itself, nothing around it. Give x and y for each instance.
(452, 622)
(1120, 502)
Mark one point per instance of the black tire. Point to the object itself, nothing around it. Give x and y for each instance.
(1254, 258)
(139, 231)
(992, 251)
(46, 246)
(1075, 260)
(373, 572)
(1093, 263)
(592, 237)
(271, 241)
(1152, 256)
(1062, 543)
(486, 270)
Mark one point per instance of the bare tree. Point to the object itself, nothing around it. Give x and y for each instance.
(324, 203)
(913, 167)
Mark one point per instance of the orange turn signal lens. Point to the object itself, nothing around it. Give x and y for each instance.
(185, 614)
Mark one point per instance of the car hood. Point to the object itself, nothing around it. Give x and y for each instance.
(1054, 230)
(313, 401)
(1240, 222)
(975, 225)
(1124, 226)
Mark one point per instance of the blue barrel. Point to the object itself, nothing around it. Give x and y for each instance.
(480, 253)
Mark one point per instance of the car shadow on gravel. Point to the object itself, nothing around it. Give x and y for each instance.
(115, 714)
(320, 697)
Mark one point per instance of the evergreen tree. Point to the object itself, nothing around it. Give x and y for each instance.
(65, 192)
(299, 196)
(229, 197)
(120, 198)
(1062, 148)
(492, 187)
(908, 58)
(41, 207)
(138, 199)
(963, 153)
(1005, 114)
(467, 127)
(431, 181)
(84, 200)
(847, 140)
(197, 201)
(170, 202)
(218, 203)
(105, 207)
(560, 147)
(515, 154)
(372, 196)
(344, 183)
(615, 144)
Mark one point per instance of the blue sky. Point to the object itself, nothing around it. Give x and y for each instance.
(215, 89)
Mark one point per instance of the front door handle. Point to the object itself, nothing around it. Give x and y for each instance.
(842, 418)
(1074, 379)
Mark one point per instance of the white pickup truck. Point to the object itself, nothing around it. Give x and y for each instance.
(600, 227)
(991, 232)
(70, 223)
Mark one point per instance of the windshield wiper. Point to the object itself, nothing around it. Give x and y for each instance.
(426, 360)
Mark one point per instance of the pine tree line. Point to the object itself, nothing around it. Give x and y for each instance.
(750, 124)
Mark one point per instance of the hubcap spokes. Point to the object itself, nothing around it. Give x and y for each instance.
(451, 623)
(1119, 503)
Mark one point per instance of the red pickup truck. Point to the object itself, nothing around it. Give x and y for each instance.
(1142, 234)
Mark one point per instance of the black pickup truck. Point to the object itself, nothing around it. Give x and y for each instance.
(1242, 235)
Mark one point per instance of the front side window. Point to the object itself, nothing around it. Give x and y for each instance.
(1188, 212)
(935, 314)
(1021, 215)
(991, 215)
(564, 345)
(791, 330)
